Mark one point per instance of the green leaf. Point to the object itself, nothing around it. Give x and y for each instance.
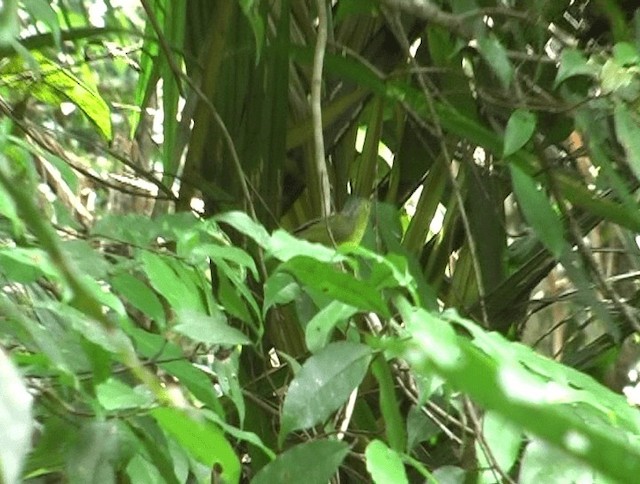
(544, 463)
(140, 296)
(538, 211)
(435, 338)
(141, 470)
(239, 434)
(203, 440)
(16, 421)
(420, 428)
(284, 247)
(171, 359)
(319, 329)
(88, 261)
(628, 134)
(280, 288)
(252, 12)
(384, 464)
(129, 228)
(245, 225)
(54, 84)
(235, 290)
(312, 463)
(113, 394)
(497, 381)
(9, 22)
(94, 452)
(449, 475)
(520, 128)
(210, 330)
(228, 253)
(153, 446)
(389, 404)
(226, 371)
(336, 284)
(495, 55)
(573, 63)
(504, 441)
(323, 384)
(166, 281)
(626, 54)
(8, 209)
(112, 340)
(42, 11)
(26, 264)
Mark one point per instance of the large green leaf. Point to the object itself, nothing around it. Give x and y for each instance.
(53, 84)
(503, 441)
(179, 292)
(139, 295)
(384, 464)
(171, 359)
(312, 462)
(209, 329)
(323, 384)
(336, 284)
(546, 407)
(320, 327)
(16, 421)
(203, 440)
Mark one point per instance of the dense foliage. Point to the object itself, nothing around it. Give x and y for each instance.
(160, 322)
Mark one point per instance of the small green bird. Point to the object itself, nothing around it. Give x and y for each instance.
(345, 227)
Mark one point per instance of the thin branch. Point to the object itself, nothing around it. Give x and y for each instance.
(574, 229)
(401, 36)
(316, 110)
(427, 10)
(497, 471)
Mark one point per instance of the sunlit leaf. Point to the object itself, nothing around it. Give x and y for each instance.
(503, 440)
(171, 359)
(209, 329)
(573, 63)
(384, 464)
(201, 439)
(245, 225)
(544, 463)
(16, 423)
(336, 284)
(164, 279)
(113, 394)
(319, 329)
(285, 246)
